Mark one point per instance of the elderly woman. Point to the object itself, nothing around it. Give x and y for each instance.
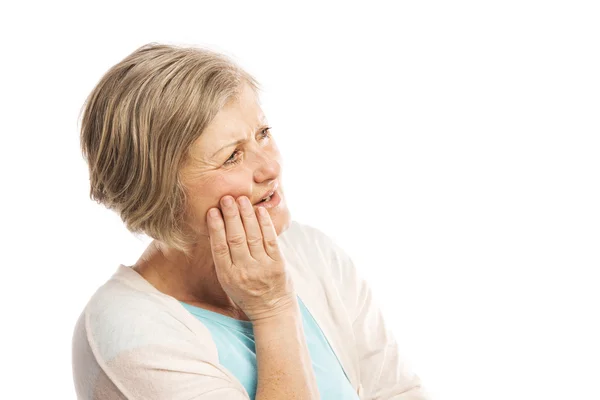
(232, 299)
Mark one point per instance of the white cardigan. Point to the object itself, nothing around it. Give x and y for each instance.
(135, 342)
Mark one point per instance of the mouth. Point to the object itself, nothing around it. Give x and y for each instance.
(272, 201)
(268, 195)
(266, 199)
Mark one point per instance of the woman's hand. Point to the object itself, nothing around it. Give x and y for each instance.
(248, 262)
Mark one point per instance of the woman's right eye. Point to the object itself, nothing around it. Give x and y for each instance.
(232, 160)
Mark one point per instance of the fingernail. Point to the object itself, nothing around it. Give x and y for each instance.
(228, 201)
(243, 201)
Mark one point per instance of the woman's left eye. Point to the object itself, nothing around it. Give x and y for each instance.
(232, 160)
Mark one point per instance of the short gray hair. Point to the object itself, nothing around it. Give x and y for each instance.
(138, 125)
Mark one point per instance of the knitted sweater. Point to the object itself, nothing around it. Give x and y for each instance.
(134, 342)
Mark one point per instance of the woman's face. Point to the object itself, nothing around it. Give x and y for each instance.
(219, 166)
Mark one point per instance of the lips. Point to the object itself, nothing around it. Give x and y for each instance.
(268, 193)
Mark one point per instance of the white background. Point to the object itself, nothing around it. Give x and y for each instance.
(451, 148)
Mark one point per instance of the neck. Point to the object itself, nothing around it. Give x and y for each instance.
(191, 280)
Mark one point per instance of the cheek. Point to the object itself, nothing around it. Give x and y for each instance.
(231, 184)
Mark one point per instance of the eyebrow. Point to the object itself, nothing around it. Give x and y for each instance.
(237, 141)
(229, 145)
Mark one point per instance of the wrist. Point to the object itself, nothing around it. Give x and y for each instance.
(285, 311)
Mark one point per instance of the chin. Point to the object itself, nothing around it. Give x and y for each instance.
(282, 227)
(281, 217)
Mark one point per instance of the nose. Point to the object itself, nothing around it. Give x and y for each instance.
(268, 166)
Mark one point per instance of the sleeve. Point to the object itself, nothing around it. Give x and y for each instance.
(116, 368)
(384, 375)
(163, 372)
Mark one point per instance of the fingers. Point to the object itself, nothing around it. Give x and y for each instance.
(251, 222)
(271, 247)
(243, 232)
(234, 231)
(218, 240)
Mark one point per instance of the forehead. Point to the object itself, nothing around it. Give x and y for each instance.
(238, 119)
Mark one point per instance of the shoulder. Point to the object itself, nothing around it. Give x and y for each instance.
(132, 341)
(120, 317)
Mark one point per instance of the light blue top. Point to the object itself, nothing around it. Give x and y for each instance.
(236, 348)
